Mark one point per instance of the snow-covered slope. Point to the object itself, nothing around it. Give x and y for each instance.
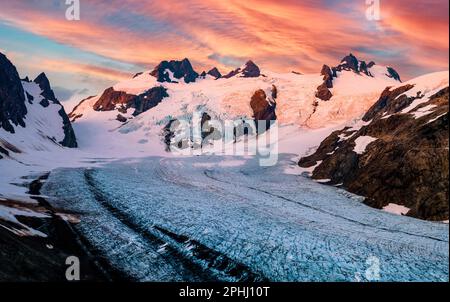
(31, 118)
(44, 126)
(397, 154)
(34, 127)
(227, 98)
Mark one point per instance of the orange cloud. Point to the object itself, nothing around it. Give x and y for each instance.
(279, 35)
(64, 66)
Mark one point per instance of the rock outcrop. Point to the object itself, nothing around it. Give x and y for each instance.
(121, 118)
(351, 63)
(4, 152)
(12, 96)
(214, 72)
(121, 101)
(74, 115)
(111, 99)
(323, 90)
(171, 71)
(47, 93)
(137, 74)
(148, 100)
(392, 73)
(264, 107)
(399, 155)
(249, 70)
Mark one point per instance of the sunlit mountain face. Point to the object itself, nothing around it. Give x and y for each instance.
(231, 141)
(114, 39)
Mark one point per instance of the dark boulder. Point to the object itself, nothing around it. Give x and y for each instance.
(251, 70)
(121, 118)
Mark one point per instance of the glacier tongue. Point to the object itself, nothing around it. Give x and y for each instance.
(221, 218)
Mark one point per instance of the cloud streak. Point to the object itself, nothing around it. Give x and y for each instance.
(280, 35)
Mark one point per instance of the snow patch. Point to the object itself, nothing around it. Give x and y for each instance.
(322, 180)
(423, 111)
(396, 209)
(362, 142)
(9, 214)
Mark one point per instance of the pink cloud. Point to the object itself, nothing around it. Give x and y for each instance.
(280, 35)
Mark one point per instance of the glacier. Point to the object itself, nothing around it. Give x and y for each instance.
(220, 218)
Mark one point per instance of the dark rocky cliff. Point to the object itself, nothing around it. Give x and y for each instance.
(407, 162)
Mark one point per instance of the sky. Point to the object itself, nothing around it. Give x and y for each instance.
(115, 39)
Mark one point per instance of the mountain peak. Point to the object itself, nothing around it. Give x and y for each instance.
(171, 71)
(44, 83)
(392, 73)
(248, 70)
(214, 72)
(351, 62)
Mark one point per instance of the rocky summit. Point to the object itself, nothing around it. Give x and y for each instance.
(249, 70)
(349, 64)
(173, 71)
(214, 72)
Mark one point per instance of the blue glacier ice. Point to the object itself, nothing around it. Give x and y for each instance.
(221, 218)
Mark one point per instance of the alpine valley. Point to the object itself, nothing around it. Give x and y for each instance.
(360, 175)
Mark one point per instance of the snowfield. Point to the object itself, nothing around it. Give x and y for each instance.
(226, 99)
(224, 218)
(156, 216)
